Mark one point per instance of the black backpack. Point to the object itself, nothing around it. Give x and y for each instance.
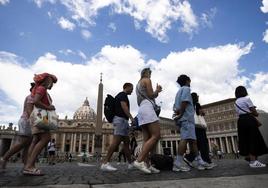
(162, 162)
(109, 108)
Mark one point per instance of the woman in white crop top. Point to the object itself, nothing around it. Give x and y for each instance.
(251, 143)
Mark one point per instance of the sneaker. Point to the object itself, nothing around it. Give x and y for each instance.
(257, 164)
(209, 165)
(154, 170)
(130, 166)
(108, 167)
(180, 168)
(189, 163)
(141, 166)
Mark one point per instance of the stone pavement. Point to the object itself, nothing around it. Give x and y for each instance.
(228, 173)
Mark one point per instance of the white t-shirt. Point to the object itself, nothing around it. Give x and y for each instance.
(244, 103)
(51, 146)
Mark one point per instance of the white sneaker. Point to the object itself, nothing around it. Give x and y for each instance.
(141, 166)
(130, 166)
(154, 170)
(108, 167)
(180, 168)
(209, 166)
(257, 164)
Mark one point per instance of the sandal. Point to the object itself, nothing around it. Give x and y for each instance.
(32, 172)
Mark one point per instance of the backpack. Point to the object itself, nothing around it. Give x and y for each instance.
(162, 162)
(109, 108)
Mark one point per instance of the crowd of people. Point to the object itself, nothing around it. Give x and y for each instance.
(188, 116)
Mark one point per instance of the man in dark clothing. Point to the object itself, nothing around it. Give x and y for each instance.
(121, 127)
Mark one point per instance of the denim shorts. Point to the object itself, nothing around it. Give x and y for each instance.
(187, 130)
(121, 126)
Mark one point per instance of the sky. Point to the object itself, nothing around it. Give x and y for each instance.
(219, 44)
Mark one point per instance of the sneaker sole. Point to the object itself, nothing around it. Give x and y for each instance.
(141, 169)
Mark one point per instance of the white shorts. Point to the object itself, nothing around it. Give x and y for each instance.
(24, 127)
(146, 113)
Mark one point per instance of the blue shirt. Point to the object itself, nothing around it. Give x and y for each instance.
(184, 95)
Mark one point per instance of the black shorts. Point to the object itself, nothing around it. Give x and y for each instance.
(51, 153)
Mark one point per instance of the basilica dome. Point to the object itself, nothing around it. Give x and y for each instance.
(85, 112)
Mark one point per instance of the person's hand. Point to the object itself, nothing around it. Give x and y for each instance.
(51, 107)
(158, 88)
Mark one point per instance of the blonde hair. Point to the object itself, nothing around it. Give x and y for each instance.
(145, 71)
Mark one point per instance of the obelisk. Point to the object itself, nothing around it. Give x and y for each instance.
(98, 130)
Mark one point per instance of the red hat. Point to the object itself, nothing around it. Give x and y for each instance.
(38, 78)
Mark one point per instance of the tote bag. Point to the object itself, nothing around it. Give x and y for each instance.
(44, 119)
(200, 121)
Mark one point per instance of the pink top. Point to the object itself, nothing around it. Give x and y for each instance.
(42, 91)
(28, 100)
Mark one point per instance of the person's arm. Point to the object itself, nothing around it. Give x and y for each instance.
(149, 89)
(183, 107)
(29, 109)
(253, 111)
(126, 110)
(252, 107)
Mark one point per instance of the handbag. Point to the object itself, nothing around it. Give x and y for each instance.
(156, 107)
(200, 121)
(44, 119)
(258, 123)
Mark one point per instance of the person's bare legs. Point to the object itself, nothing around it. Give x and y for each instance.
(24, 142)
(115, 143)
(43, 139)
(154, 131)
(126, 149)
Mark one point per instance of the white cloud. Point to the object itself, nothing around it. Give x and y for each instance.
(4, 2)
(66, 24)
(39, 3)
(213, 77)
(112, 26)
(264, 7)
(157, 15)
(206, 18)
(67, 52)
(82, 55)
(265, 36)
(86, 34)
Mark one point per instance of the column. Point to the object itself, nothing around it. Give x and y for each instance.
(221, 147)
(234, 147)
(209, 144)
(171, 145)
(71, 144)
(88, 143)
(93, 143)
(227, 145)
(63, 142)
(74, 148)
(80, 143)
(102, 144)
(159, 148)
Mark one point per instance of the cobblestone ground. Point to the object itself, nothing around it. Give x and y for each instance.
(90, 174)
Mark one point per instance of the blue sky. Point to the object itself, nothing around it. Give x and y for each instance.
(220, 44)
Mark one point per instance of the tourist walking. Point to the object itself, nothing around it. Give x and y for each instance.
(147, 119)
(121, 127)
(25, 133)
(51, 148)
(41, 137)
(251, 143)
(184, 107)
(201, 137)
